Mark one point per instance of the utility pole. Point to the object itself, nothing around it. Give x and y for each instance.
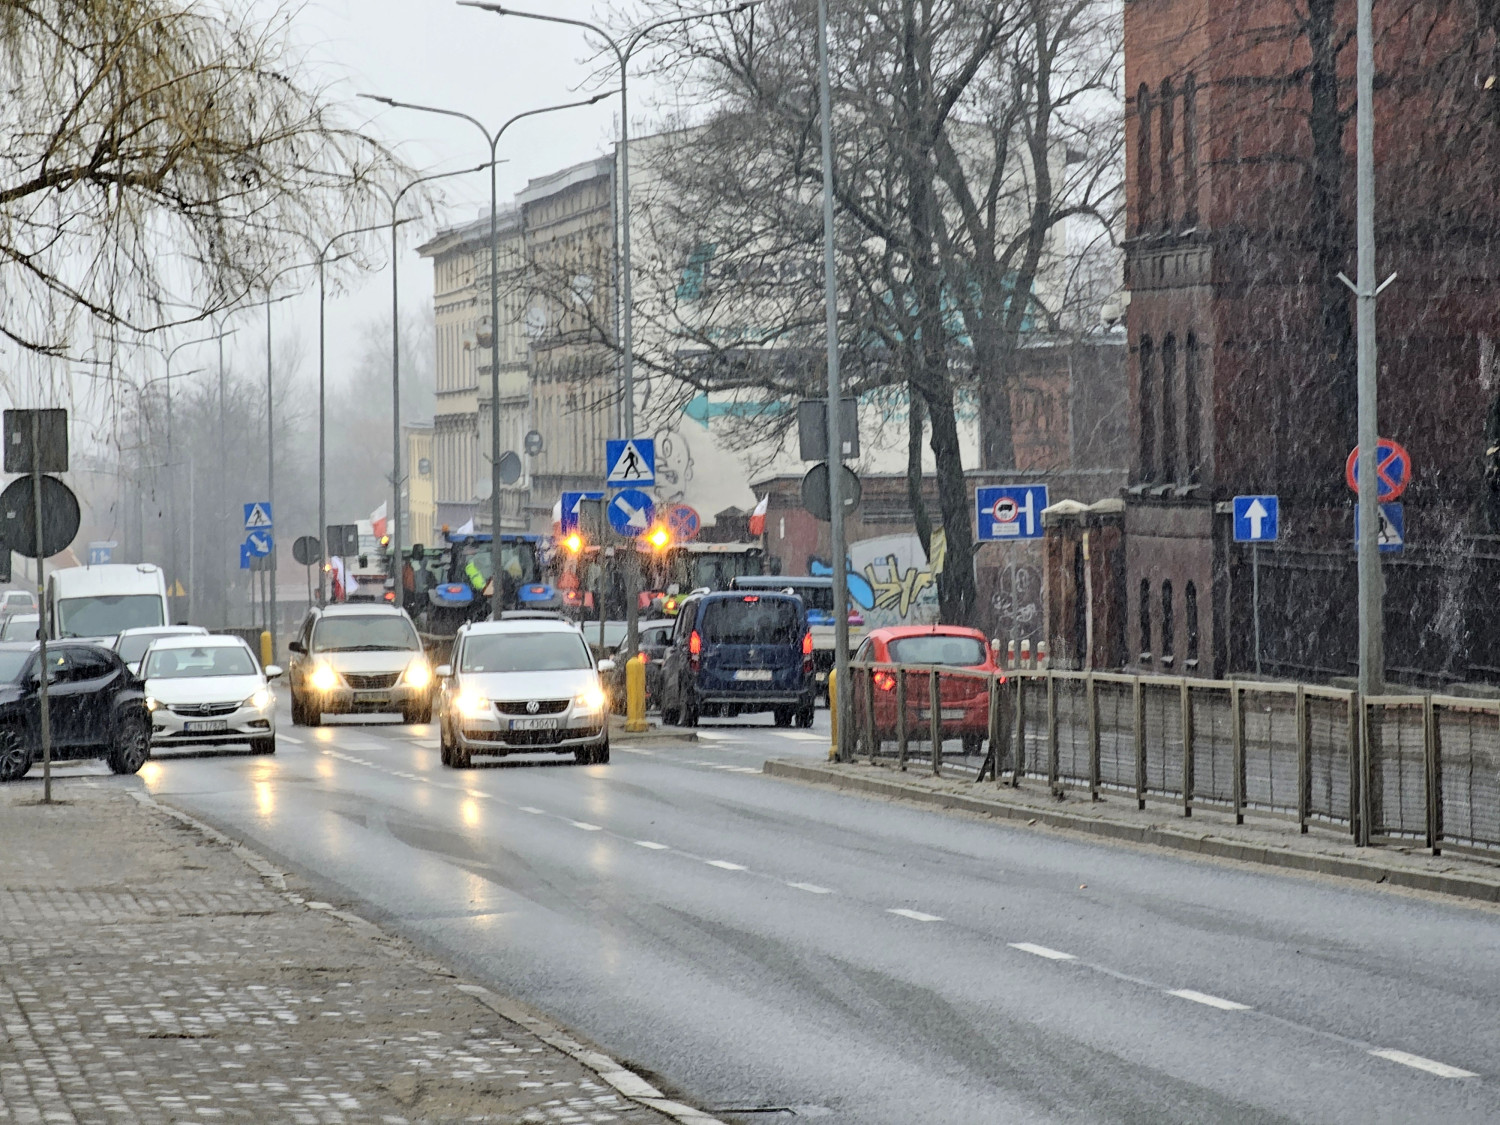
(1371, 594)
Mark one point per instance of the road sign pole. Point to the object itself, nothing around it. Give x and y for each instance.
(41, 601)
(1371, 608)
(1255, 599)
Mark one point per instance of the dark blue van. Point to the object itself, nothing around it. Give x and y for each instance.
(736, 652)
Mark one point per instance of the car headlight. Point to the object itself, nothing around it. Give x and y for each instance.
(260, 700)
(151, 704)
(590, 699)
(418, 673)
(324, 678)
(473, 705)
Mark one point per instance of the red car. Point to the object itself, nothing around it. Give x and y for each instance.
(965, 709)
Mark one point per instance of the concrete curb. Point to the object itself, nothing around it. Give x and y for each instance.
(657, 733)
(1365, 871)
(627, 1082)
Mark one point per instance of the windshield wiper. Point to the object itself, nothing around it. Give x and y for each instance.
(366, 648)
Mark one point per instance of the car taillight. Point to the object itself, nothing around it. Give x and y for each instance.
(807, 644)
(885, 681)
(695, 648)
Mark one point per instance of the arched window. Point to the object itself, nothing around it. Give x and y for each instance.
(1145, 609)
(1192, 409)
(1190, 151)
(1169, 408)
(1190, 619)
(1167, 622)
(1147, 360)
(1143, 201)
(1167, 185)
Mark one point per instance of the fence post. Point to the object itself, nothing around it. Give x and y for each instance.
(1187, 748)
(1005, 695)
(1019, 731)
(992, 727)
(1304, 760)
(1052, 759)
(935, 721)
(1367, 776)
(1140, 747)
(902, 737)
(871, 733)
(1356, 784)
(1430, 756)
(1093, 705)
(1237, 748)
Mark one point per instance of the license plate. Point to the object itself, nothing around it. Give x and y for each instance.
(754, 675)
(534, 724)
(206, 726)
(947, 713)
(372, 696)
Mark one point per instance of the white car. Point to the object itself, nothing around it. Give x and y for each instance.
(522, 687)
(20, 626)
(16, 601)
(131, 645)
(209, 691)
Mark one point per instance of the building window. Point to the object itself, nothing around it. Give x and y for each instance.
(1190, 151)
(1192, 409)
(1190, 619)
(1147, 359)
(1167, 185)
(1167, 623)
(1169, 408)
(1143, 156)
(1145, 608)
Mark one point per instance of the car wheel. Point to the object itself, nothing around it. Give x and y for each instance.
(445, 747)
(15, 755)
(973, 744)
(670, 716)
(263, 745)
(421, 714)
(601, 754)
(783, 716)
(805, 717)
(132, 744)
(690, 712)
(458, 757)
(299, 715)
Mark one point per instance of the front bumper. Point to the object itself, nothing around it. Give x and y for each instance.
(344, 700)
(169, 728)
(493, 735)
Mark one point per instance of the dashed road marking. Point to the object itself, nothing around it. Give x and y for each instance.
(811, 888)
(1212, 1001)
(289, 738)
(586, 826)
(916, 915)
(1442, 1070)
(1042, 951)
(652, 844)
(533, 811)
(725, 864)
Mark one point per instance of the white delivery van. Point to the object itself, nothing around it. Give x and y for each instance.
(101, 601)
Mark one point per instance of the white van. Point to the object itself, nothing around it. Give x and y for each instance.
(102, 601)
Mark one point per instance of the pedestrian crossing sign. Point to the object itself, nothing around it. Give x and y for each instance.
(631, 462)
(257, 515)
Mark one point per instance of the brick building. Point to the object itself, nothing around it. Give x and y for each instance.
(1240, 171)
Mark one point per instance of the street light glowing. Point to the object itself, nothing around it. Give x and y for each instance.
(574, 542)
(659, 537)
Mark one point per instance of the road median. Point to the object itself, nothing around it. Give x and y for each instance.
(1268, 841)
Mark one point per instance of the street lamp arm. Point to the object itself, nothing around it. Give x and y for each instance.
(356, 230)
(599, 97)
(394, 104)
(396, 202)
(635, 39)
(502, 10)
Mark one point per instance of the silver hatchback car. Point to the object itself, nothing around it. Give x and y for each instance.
(522, 687)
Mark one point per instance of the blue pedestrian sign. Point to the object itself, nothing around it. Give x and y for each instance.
(631, 464)
(1257, 519)
(259, 544)
(1012, 511)
(568, 511)
(631, 512)
(257, 515)
(1392, 535)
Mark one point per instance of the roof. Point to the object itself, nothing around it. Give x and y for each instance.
(362, 609)
(896, 632)
(521, 625)
(198, 640)
(110, 578)
(781, 581)
(163, 630)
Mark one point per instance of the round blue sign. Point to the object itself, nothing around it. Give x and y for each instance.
(631, 512)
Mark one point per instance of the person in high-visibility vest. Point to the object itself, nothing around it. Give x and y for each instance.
(474, 575)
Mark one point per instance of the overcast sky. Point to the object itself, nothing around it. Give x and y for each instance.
(436, 53)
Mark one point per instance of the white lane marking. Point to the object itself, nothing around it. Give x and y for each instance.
(652, 844)
(916, 915)
(725, 864)
(1442, 1070)
(289, 738)
(803, 736)
(533, 811)
(586, 826)
(1042, 951)
(811, 888)
(741, 769)
(1212, 1001)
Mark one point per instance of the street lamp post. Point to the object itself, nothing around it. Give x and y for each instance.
(493, 140)
(622, 56)
(172, 476)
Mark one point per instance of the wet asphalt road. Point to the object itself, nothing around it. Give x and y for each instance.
(757, 944)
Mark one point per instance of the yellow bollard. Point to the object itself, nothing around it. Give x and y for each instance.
(266, 655)
(833, 713)
(635, 694)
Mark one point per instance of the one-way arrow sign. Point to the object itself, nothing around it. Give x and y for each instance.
(1256, 519)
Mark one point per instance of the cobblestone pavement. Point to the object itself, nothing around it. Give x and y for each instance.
(147, 973)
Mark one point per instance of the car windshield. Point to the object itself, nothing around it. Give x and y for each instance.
(209, 660)
(133, 647)
(375, 632)
(12, 664)
(20, 627)
(18, 600)
(524, 652)
(813, 597)
(939, 648)
(105, 616)
(753, 619)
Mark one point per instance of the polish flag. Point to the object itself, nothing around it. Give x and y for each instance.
(758, 517)
(378, 520)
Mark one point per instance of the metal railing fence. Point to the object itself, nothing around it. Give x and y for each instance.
(1395, 767)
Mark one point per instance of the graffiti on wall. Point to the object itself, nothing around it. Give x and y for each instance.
(902, 581)
(1017, 603)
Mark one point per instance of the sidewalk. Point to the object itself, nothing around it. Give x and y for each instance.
(152, 971)
(1262, 839)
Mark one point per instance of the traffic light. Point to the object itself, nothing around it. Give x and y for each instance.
(574, 543)
(659, 538)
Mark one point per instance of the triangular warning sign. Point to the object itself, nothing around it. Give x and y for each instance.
(257, 516)
(634, 464)
(177, 590)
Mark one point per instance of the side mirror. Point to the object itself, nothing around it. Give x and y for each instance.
(444, 671)
(297, 647)
(606, 665)
(272, 671)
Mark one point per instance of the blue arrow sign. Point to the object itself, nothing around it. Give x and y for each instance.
(631, 512)
(245, 556)
(1257, 519)
(257, 516)
(631, 464)
(259, 544)
(1010, 512)
(568, 510)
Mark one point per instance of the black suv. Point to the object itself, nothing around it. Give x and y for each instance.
(97, 709)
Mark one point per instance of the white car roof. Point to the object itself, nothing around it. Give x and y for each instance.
(166, 631)
(521, 625)
(197, 640)
(362, 609)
